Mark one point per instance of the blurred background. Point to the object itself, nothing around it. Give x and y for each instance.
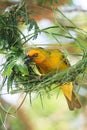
(50, 113)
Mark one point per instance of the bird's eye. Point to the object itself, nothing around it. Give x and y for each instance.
(35, 55)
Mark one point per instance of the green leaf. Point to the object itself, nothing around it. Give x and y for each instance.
(23, 69)
(10, 81)
(8, 68)
(32, 24)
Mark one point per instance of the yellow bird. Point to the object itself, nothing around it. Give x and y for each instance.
(46, 61)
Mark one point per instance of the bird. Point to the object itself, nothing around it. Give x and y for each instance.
(47, 60)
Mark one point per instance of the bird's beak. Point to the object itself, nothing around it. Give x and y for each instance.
(28, 59)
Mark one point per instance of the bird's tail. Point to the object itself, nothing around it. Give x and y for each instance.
(71, 98)
(74, 103)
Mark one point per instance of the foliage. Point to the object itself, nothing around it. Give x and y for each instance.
(11, 44)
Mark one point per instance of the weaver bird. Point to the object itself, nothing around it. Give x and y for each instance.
(46, 61)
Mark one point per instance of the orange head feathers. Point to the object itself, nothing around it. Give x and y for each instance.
(36, 55)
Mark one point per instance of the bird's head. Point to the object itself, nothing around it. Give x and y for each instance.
(36, 55)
